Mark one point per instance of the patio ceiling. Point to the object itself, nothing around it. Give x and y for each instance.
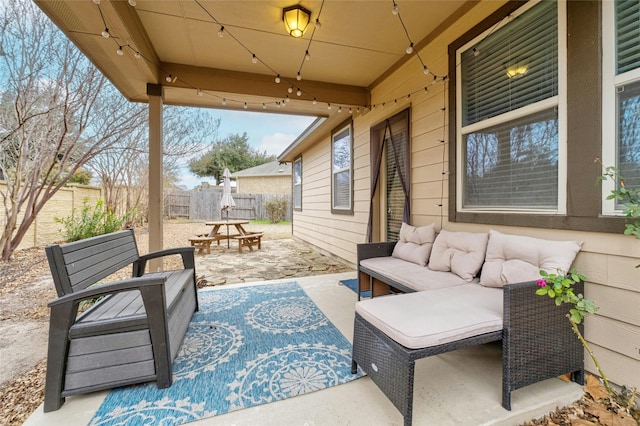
(356, 45)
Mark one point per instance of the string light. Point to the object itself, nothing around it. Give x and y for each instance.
(339, 109)
(290, 89)
(120, 52)
(315, 101)
(328, 106)
(200, 93)
(221, 31)
(168, 78)
(245, 106)
(307, 56)
(105, 33)
(395, 9)
(299, 92)
(425, 70)
(132, 2)
(298, 77)
(287, 99)
(224, 102)
(264, 106)
(254, 59)
(409, 49)
(318, 24)
(137, 55)
(96, 1)
(278, 78)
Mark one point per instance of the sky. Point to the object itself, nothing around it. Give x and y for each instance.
(268, 132)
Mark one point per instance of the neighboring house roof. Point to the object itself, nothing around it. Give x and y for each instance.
(268, 169)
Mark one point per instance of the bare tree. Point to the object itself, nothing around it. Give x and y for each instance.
(123, 168)
(56, 113)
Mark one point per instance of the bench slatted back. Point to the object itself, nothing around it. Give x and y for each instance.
(80, 264)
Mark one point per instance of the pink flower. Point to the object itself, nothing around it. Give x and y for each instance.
(541, 282)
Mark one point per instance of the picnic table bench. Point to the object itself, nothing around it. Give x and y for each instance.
(248, 240)
(132, 334)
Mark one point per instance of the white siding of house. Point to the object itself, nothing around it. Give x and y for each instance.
(607, 260)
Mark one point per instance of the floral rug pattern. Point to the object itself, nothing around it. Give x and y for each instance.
(246, 346)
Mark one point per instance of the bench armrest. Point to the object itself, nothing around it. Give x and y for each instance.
(187, 254)
(108, 288)
(369, 250)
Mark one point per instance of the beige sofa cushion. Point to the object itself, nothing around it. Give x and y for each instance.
(414, 243)
(411, 275)
(430, 318)
(515, 258)
(459, 252)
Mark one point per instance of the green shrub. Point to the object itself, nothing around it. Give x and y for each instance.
(91, 222)
(276, 210)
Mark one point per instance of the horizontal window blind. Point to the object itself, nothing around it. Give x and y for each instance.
(627, 35)
(526, 47)
(513, 164)
(342, 190)
(395, 194)
(629, 134)
(341, 169)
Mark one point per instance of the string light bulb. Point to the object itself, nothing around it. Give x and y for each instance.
(299, 92)
(254, 59)
(395, 9)
(278, 78)
(340, 109)
(137, 55)
(298, 77)
(287, 99)
(425, 70)
(315, 101)
(200, 93)
(132, 3)
(224, 101)
(307, 56)
(476, 52)
(105, 33)
(318, 24)
(290, 89)
(409, 49)
(245, 106)
(168, 78)
(264, 106)
(328, 106)
(221, 31)
(120, 52)
(96, 1)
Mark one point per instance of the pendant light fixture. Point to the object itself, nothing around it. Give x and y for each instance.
(296, 19)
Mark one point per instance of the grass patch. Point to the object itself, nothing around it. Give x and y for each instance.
(268, 222)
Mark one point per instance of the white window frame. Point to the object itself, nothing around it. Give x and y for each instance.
(349, 208)
(610, 83)
(297, 203)
(559, 101)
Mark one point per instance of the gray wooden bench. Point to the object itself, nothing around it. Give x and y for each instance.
(132, 334)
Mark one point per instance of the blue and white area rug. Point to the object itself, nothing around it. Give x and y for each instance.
(246, 346)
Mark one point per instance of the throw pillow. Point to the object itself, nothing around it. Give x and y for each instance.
(414, 243)
(459, 252)
(515, 258)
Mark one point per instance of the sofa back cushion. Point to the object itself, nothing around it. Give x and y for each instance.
(414, 243)
(514, 258)
(459, 252)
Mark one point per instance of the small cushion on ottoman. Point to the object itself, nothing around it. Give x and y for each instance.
(415, 243)
(459, 252)
(515, 258)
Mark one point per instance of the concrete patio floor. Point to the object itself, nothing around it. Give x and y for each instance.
(458, 388)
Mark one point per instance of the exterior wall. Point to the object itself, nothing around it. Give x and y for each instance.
(264, 185)
(608, 260)
(44, 229)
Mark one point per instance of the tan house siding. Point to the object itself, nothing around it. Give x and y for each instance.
(608, 260)
(264, 185)
(44, 229)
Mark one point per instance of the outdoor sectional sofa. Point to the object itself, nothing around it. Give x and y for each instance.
(461, 289)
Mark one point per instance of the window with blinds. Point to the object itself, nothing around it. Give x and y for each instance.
(509, 114)
(627, 39)
(297, 183)
(341, 155)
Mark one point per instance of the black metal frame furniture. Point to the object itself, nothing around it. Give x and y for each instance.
(537, 344)
(132, 334)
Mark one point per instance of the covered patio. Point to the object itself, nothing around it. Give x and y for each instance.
(460, 387)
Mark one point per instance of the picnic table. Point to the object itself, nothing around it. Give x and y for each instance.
(217, 233)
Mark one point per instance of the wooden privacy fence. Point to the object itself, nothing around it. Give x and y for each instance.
(205, 205)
